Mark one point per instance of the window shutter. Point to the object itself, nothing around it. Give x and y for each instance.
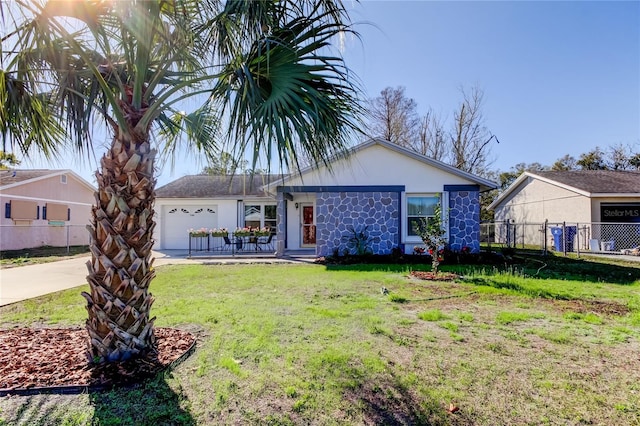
(7, 210)
(37, 212)
(68, 214)
(44, 212)
(22, 210)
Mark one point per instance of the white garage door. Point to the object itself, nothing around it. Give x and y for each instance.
(177, 220)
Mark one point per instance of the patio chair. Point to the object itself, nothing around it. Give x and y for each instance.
(227, 244)
(265, 242)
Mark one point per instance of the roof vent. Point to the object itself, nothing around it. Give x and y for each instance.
(63, 179)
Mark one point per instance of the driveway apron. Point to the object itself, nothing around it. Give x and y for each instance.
(26, 282)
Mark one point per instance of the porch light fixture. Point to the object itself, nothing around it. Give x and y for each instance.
(297, 206)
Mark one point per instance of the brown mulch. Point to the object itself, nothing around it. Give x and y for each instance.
(591, 306)
(430, 276)
(56, 358)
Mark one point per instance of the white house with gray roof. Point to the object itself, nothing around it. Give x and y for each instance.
(571, 196)
(378, 188)
(603, 205)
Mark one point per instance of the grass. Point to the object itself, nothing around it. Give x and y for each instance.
(32, 256)
(432, 315)
(308, 344)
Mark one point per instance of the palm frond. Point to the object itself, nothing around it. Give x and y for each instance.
(284, 94)
(26, 120)
(201, 128)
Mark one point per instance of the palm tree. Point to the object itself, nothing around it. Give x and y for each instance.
(262, 72)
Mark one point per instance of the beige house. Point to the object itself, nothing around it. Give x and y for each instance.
(44, 208)
(591, 200)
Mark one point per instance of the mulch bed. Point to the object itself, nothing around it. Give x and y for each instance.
(33, 359)
(430, 276)
(591, 306)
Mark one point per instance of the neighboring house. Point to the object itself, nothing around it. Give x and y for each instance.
(574, 197)
(380, 189)
(44, 208)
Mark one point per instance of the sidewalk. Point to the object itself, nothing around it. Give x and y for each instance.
(26, 282)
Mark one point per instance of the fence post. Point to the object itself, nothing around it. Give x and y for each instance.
(564, 239)
(512, 236)
(544, 237)
(578, 239)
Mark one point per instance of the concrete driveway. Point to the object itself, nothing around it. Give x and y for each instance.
(26, 282)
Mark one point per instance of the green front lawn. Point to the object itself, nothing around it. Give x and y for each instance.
(309, 344)
(45, 254)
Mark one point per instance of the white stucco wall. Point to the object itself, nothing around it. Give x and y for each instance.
(378, 165)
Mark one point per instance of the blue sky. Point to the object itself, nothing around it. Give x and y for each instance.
(558, 77)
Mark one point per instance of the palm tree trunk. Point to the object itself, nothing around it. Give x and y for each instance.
(121, 240)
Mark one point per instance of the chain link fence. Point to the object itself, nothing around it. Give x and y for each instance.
(594, 237)
(18, 237)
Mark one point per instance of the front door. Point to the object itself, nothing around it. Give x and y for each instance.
(308, 220)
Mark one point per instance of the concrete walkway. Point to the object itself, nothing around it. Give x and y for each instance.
(26, 282)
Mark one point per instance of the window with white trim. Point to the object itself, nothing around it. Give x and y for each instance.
(260, 216)
(418, 208)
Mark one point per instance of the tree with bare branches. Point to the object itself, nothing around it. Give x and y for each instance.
(466, 145)
(470, 138)
(432, 138)
(394, 117)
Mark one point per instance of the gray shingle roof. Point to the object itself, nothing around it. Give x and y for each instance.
(206, 186)
(8, 177)
(597, 181)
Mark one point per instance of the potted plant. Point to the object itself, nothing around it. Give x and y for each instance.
(202, 232)
(222, 232)
(242, 232)
(262, 232)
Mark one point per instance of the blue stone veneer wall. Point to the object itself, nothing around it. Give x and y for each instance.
(464, 220)
(338, 213)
